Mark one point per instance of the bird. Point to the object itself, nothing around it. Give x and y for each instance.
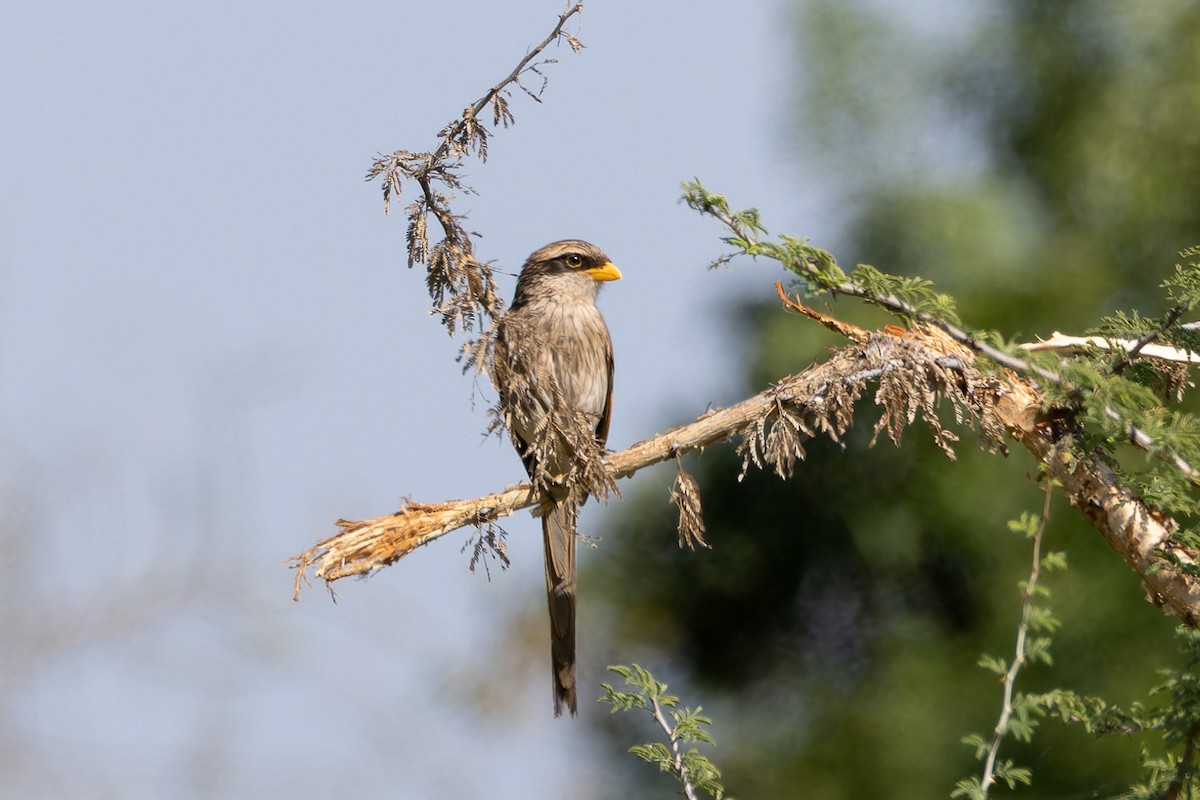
(554, 370)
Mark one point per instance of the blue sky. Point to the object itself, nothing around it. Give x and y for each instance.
(210, 349)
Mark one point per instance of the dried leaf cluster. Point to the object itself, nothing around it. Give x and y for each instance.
(912, 382)
(685, 494)
(461, 287)
(489, 542)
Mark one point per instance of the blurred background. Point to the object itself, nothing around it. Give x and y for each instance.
(210, 350)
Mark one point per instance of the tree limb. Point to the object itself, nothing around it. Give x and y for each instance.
(1139, 534)
(819, 267)
(1129, 348)
(925, 361)
(461, 286)
(360, 548)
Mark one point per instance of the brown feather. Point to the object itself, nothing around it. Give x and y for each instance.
(555, 366)
(558, 541)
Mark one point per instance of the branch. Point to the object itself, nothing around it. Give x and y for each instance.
(745, 236)
(1019, 655)
(1131, 349)
(1132, 352)
(772, 425)
(689, 791)
(924, 362)
(820, 269)
(1136, 435)
(360, 548)
(461, 286)
(1138, 533)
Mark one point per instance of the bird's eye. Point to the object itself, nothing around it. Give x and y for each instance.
(574, 261)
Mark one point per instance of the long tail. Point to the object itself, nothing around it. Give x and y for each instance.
(558, 536)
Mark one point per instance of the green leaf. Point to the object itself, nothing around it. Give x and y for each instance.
(969, 789)
(993, 664)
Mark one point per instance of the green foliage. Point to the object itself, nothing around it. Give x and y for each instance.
(915, 292)
(1094, 714)
(1183, 293)
(1174, 720)
(1035, 163)
(1094, 387)
(1110, 401)
(1018, 712)
(1118, 399)
(818, 271)
(744, 226)
(685, 726)
(972, 789)
(1183, 287)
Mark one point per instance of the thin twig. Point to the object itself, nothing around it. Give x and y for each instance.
(460, 285)
(1145, 441)
(513, 77)
(1021, 366)
(676, 748)
(895, 304)
(1010, 677)
(1170, 319)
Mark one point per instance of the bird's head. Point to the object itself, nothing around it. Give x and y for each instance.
(568, 268)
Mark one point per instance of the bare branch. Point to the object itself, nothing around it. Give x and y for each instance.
(514, 77)
(822, 396)
(461, 286)
(1059, 342)
(1028, 596)
(821, 400)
